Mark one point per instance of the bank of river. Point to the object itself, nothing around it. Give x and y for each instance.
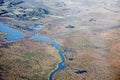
(61, 65)
(13, 34)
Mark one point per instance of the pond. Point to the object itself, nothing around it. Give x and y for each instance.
(81, 71)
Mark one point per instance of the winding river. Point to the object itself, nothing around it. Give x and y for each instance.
(13, 34)
(61, 65)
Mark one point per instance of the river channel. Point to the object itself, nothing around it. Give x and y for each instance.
(13, 34)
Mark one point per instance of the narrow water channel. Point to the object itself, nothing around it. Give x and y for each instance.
(61, 65)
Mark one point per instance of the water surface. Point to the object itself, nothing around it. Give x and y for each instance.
(12, 34)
